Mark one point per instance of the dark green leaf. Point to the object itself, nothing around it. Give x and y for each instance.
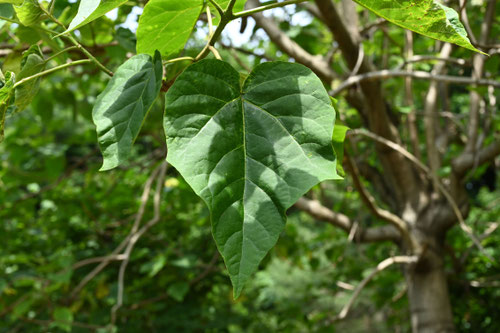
(166, 25)
(6, 93)
(32, 63)
(250, 152)
(122, 107)
(429, 18)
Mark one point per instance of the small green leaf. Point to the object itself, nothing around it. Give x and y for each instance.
(32, 63)
(166, 25)
(178, 291)
(6, 93)
(338, 138)
(428, 18)
(63, 318)
(90, 10)
(29, 12)
(123, 106)
(249, 152)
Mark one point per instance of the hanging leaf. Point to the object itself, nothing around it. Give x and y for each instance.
(6, 93)
(426, 17)
(90, 10)
(29, 12)
(32, 63)
(249, 152)
(166, 25)
(123, 106)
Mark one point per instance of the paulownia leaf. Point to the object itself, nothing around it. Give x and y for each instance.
(426, 17)
(6, 93)
(32, 63)
(249, 152)
(166, 25)
(29, 12)
(90, 10)
(122, 107)
(14, 2)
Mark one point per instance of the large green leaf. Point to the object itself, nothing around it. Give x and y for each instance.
(166, 25)
(426, 17)
(249, 152)
(6, 93)
(123, 106)
(90, 10)
(32, 63)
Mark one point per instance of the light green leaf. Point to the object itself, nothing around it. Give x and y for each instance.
(6, 10)
(166, 25)
(238, 7)
(6, 93)
(90, 10)
(63, 318)
(426, 17)
(13, 2)
(338, 138)
(32, 63)
(123, 106)
(29, 12)
(249, 152)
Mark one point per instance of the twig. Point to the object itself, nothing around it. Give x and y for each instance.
(48, 71)
(123, 244)
(386, 73)
(135, 237)
(380, 267)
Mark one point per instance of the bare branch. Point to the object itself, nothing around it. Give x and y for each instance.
(385, 74)
(441, 187)
(380, 267)
(320, 212)
(466, 161)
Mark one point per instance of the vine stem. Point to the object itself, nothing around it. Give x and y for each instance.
(54, 69)
(78, 45)
(266, 7)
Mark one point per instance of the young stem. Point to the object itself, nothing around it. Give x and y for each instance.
(55, 55)
(78, 45)
(48, 71)
(266, 7)
(217, 7)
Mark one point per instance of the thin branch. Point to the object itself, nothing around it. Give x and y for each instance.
(135, 237)
(266, 7)
(37, 75)
(375, 234)
(123, 244)
(440, 185)
(374, 208)
(380, 267)
(385, 74)
(421, 58)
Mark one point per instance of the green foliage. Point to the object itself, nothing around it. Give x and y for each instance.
(121, 109)
(250, 152)
(166, 25)
(427, 17)
(90, 10)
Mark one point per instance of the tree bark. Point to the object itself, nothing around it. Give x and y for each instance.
(430, 308)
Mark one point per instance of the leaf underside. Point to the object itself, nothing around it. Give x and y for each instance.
(90, 10)
(249, 152)
(166, 25)
(122, 107)
(426, 17)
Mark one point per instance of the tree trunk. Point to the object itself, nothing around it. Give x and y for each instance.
(430, 307)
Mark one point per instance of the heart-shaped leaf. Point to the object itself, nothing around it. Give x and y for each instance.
(121, 108)
(428, 18)
(166, 25)
(250, 152)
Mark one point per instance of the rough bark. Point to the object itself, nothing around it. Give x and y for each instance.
(430, 307)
